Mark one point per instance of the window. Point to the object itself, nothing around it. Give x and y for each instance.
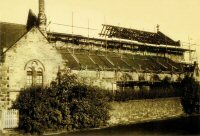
(39, 78)
(34, 73)
(29, 79)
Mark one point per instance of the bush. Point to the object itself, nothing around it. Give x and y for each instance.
(66, 104)
(88, 106)
(40, 109)
(191, 98)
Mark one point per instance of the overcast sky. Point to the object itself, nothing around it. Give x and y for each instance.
(177, 18)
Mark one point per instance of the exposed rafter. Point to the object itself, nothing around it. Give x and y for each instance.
(111, 31)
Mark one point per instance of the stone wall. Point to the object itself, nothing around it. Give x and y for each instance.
(32, 49)
(4, 85)
(144, 110)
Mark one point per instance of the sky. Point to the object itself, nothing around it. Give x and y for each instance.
(178, 19)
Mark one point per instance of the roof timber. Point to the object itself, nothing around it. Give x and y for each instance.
(137, 35)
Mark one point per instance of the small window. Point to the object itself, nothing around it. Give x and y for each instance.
(29, 79)
(39, 79)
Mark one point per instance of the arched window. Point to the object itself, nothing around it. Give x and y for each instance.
(34, 73)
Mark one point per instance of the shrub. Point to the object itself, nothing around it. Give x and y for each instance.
(41, 109)
(66, 104)
(88, 106)
(191, 98)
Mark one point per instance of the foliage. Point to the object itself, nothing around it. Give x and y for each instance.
(188, 89)
(88, 106)
(66, 104)
(143, 94)
(191, 98)
(41, 108)
(162, 90)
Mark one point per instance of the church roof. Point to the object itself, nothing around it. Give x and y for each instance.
(77, 59)
(10, 33)
(95, 59)
(115, 43)
(137, 35)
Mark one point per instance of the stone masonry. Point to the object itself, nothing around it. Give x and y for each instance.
(32, 49)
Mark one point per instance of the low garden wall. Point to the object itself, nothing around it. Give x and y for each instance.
(144, 110)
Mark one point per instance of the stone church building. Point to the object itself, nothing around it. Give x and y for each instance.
(121, 58)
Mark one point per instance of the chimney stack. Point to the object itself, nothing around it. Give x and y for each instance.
(158, 26)
(42, 17)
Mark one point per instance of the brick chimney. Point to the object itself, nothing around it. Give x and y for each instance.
(42, 17)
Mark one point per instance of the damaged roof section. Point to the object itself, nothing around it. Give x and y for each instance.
(111, 43)
(137, 35)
